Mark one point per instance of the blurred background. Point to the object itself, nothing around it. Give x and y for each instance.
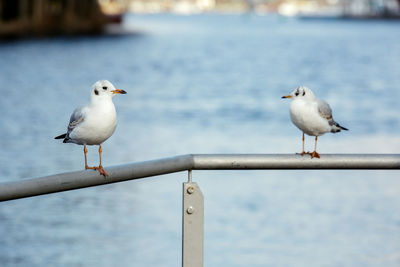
(202, 76)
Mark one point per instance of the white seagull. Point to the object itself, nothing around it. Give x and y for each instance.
(94, 123)
(311, 115)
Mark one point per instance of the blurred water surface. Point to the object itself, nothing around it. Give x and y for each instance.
(205, 84)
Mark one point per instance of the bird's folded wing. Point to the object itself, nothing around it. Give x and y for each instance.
(324, 110)
(77, 118)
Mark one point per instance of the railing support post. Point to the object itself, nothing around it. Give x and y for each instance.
(192, 224)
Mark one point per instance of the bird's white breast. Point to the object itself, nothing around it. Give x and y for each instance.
(304, 114)
(98, 125)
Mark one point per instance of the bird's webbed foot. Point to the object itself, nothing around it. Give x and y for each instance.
(303, 153)
(100, 169)
(315, 154)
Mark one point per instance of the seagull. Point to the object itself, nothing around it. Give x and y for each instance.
(312, 116)
(94, 123)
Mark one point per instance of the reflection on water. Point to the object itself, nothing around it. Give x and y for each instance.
(205, 84)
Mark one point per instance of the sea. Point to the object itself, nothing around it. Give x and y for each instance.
(207, 83)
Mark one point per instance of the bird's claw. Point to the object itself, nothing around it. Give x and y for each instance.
(100, 169)
(314, 154)
(303, 153)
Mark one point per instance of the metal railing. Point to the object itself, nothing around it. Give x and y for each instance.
(193, 210)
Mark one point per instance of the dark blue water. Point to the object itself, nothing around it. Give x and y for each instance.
(205, 84)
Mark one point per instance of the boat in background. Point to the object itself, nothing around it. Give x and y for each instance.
(21, 18)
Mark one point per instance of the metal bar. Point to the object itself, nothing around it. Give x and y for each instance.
(291, 161)
(192, 225)
(87, 178)
(81, 179)
(189, 176)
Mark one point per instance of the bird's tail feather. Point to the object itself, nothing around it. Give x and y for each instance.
(61, 136)
(337, 128)
(341, 127)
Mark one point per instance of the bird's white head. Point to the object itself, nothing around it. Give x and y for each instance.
(105, 89)
(301, 92)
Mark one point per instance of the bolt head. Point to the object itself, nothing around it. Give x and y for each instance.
(190, 190)
(190, 210)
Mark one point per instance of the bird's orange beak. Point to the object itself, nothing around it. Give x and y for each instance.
(118, 91)
(287, 96)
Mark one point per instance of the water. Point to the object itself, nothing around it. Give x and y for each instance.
(205, 84)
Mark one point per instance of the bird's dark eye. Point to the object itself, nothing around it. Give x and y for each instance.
(304, 92)
(96, 92)
(104, 87)
(297, 93)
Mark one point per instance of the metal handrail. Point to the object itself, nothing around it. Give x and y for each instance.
(81, 179)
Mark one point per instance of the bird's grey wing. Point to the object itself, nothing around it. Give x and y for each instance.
(325, 111)
(77, 118)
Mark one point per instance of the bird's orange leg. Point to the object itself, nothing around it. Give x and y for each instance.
(302, 150)
(85, 152)
(314, 154)
(100, 168)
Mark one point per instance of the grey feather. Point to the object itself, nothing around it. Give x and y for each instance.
(324, 109)
(77, 118)
(326, 112)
